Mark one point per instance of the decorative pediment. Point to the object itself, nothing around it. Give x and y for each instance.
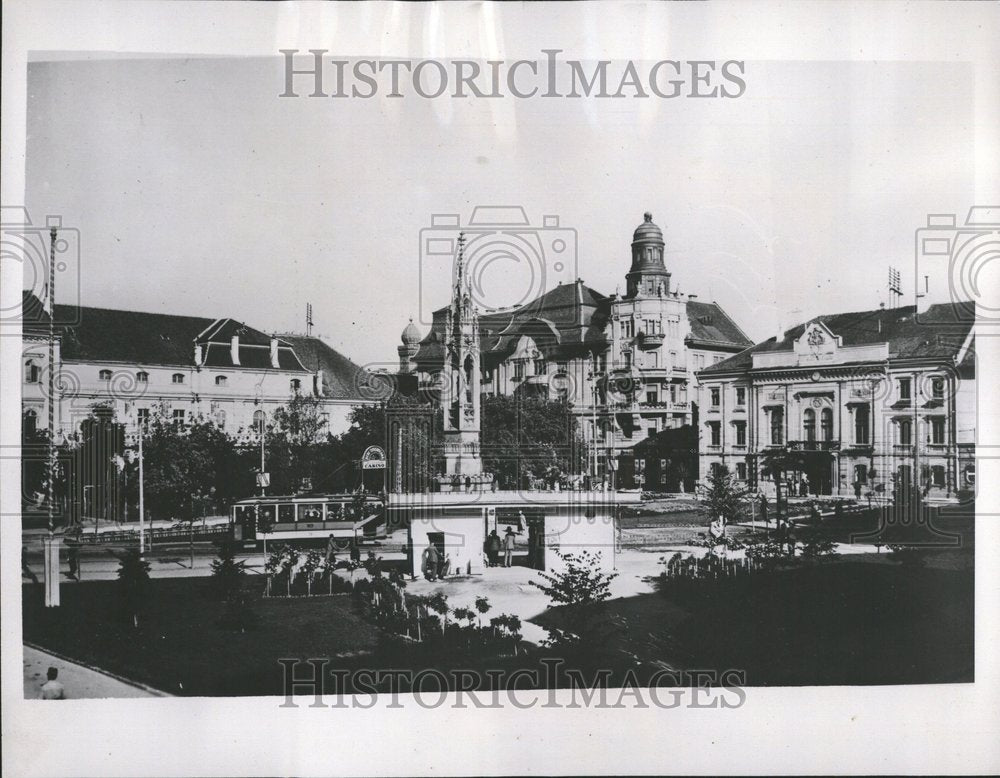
(816, 338)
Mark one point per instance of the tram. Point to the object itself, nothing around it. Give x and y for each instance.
(307, 520)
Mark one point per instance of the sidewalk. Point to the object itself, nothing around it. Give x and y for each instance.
(81, 682)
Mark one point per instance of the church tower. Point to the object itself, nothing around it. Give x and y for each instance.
(460, 398)
(648, 276)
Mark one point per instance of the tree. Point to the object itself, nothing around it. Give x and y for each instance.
(723, 496)
(133, 585)
(228, 573)
(776, 463)
(530, 437)
(581, 584)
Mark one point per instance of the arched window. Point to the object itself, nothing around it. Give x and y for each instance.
(905, 432)
(809, 424)
(32, 373)
(105, 375)
(258, 419)
(826, 424)
(220, 419)
(142, 377)
(29, 422)
(221, 380)
(177, 378)
(296, 384)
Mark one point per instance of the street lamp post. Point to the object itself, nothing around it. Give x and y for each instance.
(51, 543)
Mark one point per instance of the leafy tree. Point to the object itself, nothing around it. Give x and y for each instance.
(228, 573)
(530, 437)
(133, 585)
(723, 496)
(579, 586)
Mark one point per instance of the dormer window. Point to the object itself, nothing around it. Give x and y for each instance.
(221, 380)
(142, 377)
(178, 378)
(105, 375)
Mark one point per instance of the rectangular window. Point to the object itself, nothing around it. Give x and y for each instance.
(309, 512)
(716, 396)
(142, 417)
(741, 433)
(652, 326)
(862, 425)
(540, 368)
(651, 397)
(937, 388)
(741, 471)
(628, 328)
(741, 396)
(904, 388)
(286, 514)
(699, 361)
(716, 429)
(650, 431)
(937, 476)
(179, 419)
(777, 426)
(562, 366)
(519, 368)
(177, 378)
(628, 359)
(673, 393)
(937, 431)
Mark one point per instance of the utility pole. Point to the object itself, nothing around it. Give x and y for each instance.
(142, 500)
(51, 543)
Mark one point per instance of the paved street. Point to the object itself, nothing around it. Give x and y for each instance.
(80, 682)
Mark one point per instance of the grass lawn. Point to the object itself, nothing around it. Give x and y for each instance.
(832, 623)
(180, 647)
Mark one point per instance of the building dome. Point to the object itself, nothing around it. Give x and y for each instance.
(411, 335)
(647, 231)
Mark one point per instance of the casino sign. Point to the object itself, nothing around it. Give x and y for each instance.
(373, 458)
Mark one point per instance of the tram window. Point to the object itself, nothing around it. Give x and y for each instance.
(244, 513)
(266, 514)
(286, 514)
(310, 512)
(334, 511)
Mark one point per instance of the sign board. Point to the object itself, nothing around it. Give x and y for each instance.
(373, 458)
(263, 479)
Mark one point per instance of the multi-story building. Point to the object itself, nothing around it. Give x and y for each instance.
(861, 402)
(135, 363)
(626, 362)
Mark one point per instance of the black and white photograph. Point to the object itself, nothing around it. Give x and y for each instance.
(494, 388)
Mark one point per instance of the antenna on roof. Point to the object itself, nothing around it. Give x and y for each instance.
(309, 319)
(895, 287)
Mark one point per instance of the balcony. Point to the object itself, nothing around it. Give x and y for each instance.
(814, 445)
(650, 340)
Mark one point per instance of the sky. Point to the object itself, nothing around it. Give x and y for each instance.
(196, 190)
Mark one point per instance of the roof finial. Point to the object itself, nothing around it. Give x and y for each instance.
(647, 216)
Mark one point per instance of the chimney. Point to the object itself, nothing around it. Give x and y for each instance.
(274, 352)
(234, 349)
(198, 358)
(923, 294)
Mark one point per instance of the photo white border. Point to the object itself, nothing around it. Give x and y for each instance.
(918, 729)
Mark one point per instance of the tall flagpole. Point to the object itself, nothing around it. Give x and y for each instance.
(50, 544)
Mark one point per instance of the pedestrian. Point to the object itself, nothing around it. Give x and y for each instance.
(857, 489)
(25, 570)
(790, 538)
(493, 545)
(52, 689)
(508, 547)
(763, 508)
(355, 550)
(331, 551)
(522, 523)
(73, 556)
(429, 562)
(445, 569)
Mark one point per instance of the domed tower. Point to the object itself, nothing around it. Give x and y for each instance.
(648, 276)
(411, 338)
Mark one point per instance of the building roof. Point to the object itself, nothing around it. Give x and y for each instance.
(938, 333)
(341, 377)
(712, 326)
(565, 321)
(110, 335)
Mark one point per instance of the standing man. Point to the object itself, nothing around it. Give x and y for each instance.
(508, 547)
(493, 548)
(763, 508)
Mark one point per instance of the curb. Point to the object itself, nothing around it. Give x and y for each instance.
(101, 670)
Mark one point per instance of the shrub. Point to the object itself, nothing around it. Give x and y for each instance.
(228, 574)
(133, 585)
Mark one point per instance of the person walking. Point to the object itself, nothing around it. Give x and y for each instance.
(331, 551)
(763, 508)
(73, 555)
(430, 560)
(52, 689)
(493, 545)
(508, 547)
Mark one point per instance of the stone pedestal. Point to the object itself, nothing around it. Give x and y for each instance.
(50, 556)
